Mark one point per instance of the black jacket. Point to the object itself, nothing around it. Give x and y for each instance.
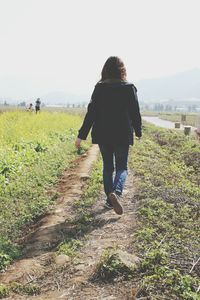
(113, 113)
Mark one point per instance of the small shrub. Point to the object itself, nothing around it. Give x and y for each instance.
(4, 291)
(69, 248)
(27, 289)
(111, 267)
(4, 260)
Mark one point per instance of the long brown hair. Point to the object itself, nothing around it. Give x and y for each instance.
(113, 68)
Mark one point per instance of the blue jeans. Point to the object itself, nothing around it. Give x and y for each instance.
(119, 155)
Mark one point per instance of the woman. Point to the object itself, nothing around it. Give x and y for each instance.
(113, 114)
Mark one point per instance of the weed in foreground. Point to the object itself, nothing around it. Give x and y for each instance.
(113, 267)
(4, 291)
(70, 247)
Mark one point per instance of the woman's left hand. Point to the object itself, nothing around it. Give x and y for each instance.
(78, 143)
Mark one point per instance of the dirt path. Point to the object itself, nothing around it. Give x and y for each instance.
(67, 280)
(110, 231)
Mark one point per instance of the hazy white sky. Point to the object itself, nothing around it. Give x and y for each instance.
(61, 45)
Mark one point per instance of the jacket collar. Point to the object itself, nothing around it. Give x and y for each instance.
(113, 80)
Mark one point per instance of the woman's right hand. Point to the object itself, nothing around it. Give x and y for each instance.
(78, 143)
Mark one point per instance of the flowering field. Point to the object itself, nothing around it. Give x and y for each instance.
(34, 150)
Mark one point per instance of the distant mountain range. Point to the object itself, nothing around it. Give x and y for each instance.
(182, 87)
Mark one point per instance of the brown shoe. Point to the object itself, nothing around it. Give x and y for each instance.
(115, 203)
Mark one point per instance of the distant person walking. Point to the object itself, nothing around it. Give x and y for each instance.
(114, 115)
(30, 108)
(37, 105)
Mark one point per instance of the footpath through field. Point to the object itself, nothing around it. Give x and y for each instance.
(71, 279)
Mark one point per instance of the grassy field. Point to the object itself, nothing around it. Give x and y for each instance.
(167, 166)
(59, 109)
(34, 150)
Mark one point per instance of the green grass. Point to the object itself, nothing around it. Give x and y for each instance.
(69, 247)
(74, 239)
(24, 289)
(34, 151)
(4, 291)
(20, 289)
(167, 165)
